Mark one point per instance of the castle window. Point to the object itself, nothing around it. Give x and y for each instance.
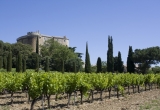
(64, 40)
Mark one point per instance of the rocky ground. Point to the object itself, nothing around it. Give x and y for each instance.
(145, 100)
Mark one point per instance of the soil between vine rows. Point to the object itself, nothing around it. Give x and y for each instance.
(136, 101)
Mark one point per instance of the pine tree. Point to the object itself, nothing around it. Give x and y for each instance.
(37, 45)
(99, 65)
(120, 63)
(87, 61)
(47, 65)
(9, 61)
(24, 64)
(110, 59)
(130, 63)
(37, 64)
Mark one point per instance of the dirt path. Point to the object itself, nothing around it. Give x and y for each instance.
(146, 100)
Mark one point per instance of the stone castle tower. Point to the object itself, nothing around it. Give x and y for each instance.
(31, 38)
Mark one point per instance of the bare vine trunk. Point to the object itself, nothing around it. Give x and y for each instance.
(69, 98)
(11, 97)
(48, 100)
(109, 90)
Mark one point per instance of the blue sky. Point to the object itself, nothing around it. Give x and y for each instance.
(133, 23)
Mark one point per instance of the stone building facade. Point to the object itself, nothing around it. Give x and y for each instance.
(31, 38)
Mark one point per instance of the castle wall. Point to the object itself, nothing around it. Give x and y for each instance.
(33, 43)
(31, 39)
(63, 41)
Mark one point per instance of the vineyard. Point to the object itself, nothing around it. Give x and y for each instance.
(41, 86)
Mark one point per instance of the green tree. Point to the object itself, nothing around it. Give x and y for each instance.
(25, 50)
(6, 49)
(120, 63)
(72, 64)
(9, 61)
(130, 62)
(77, 62)
(87, 61)
(24, 64)
(61, 55)
(104, 66)
(115, 64)
(37, 45)
(31, 60)
(75, 68)
(5, 62)
(99, 65)
(1, 54)
(1, 62)
(146, 57)
(47, 64)
(156, 69)
(37, 64)
(93, 68)
(110, 59)
(73, 49)
(58, 53)
(1, 48)
(19, 62)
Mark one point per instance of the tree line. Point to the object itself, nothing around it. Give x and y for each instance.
(143, 58)
(53, 56)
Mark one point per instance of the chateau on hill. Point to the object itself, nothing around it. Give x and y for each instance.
(31, 38)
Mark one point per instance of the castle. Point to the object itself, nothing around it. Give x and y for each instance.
(31, 39)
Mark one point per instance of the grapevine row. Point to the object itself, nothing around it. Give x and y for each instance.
(47, 84)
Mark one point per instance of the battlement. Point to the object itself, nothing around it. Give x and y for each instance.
(33, 33)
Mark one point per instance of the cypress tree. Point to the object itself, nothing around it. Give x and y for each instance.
(1, 47)
(87, 61)
(9, 60)
(4, 62)
(24, 64)
(1, 62)
(19, 62)
(130, 63)
(62, 66)
(120, 63)
(47, 65)
(115, 64)
(110, 59)
(19, 65)
(37, 64)
(99, 65)
(1, 54)
(37, 45)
